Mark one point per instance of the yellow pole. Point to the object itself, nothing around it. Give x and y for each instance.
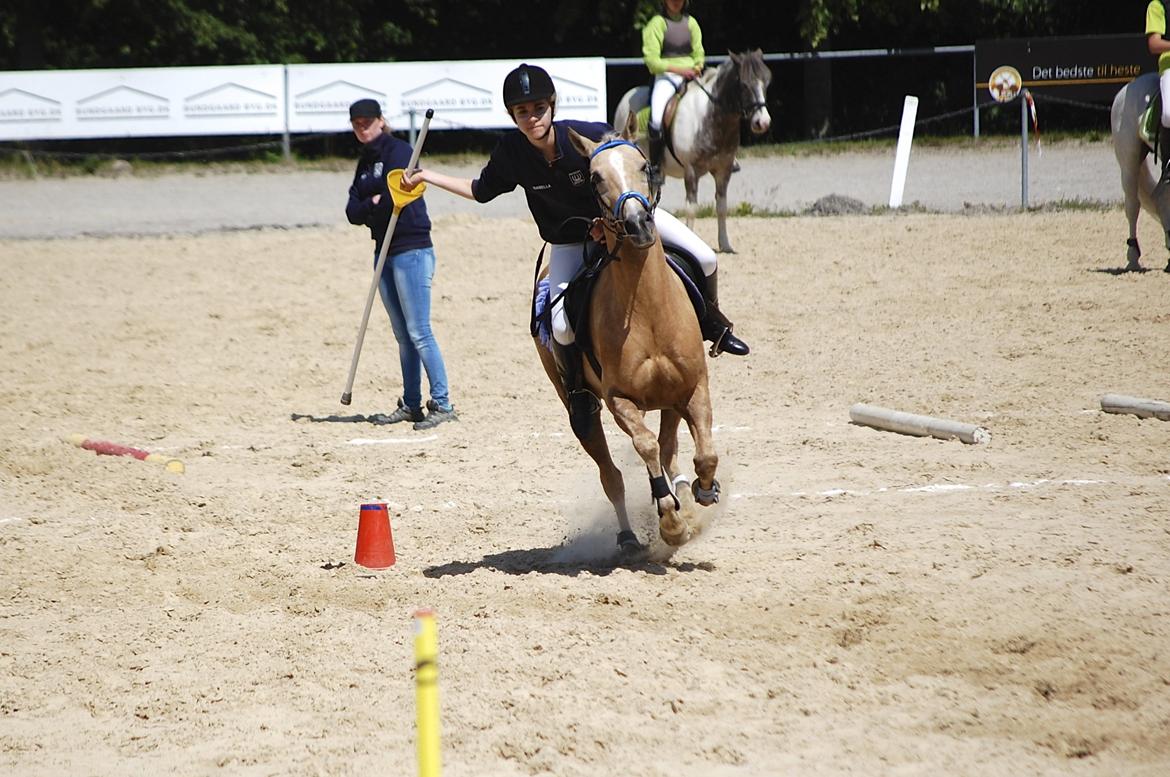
(426, 678)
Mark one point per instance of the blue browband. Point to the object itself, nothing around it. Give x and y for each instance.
(617, 207)
(613, 144)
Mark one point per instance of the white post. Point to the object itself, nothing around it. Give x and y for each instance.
(917, 425)
(1142, 408)
(285, 137)
(1023, 98)
(902, 155)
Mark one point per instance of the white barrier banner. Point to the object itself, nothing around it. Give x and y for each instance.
(464, 95)
(252, 99)
(146, 102)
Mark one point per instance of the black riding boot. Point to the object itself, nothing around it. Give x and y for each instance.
(715, 325)
(657, 155)
(583, 404)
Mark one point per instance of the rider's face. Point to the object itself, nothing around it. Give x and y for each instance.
(530, 118)
(365, 129)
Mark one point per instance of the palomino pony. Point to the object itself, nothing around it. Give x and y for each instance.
(704, 135)
(645, 339)
(1139, 170)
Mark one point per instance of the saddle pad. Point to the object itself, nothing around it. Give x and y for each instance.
(541, 315)
(1150, 121)
(644, 122)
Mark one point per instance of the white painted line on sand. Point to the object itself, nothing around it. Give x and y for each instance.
(394, 440)
(941, 488)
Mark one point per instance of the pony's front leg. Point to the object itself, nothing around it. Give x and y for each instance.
(671, 526)
(698, 418)
(722, 178)
(691, 183)
(598, 450)
(612, 483)
(668, 448)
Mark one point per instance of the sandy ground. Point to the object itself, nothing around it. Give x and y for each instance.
(861, 603)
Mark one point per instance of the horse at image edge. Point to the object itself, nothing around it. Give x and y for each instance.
(1139, 170)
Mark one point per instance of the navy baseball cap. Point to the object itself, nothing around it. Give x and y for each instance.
(366, 108)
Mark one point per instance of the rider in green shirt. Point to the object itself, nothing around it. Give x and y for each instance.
(672, 48)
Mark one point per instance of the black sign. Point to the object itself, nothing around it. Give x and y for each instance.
(1087, 67)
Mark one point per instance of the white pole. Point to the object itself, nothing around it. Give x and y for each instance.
(975, 93)
(1143, 408)
(1023, 98)
(917, 425)
(902, 155)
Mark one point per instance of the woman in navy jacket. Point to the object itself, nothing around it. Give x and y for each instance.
(405, 285)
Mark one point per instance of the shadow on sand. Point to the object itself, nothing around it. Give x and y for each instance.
(1120, 270)
(377, 419)
(553, 561)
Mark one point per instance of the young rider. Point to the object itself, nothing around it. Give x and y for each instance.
(672, 48)
(540, 158)
(1159, 46)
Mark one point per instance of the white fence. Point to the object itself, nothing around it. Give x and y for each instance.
(275, 99)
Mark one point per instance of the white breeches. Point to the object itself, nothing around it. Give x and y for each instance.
(675, 233)
(664, 88)
(563, 263)
(1164, 83)
(565, 260)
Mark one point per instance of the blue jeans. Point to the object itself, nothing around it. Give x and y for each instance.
(405, 287)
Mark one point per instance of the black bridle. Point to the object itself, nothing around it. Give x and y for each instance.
(746, 110)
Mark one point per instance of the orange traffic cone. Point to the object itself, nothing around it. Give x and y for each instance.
(375, 541)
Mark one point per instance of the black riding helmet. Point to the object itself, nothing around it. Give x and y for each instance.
(528, 83)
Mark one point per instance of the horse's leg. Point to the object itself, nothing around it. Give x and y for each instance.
(691, 182)
(671, 526)
(1161, 199)
(1133, 205)
(598, 449)
(668, 448)
(698, 418)
(612, 483)
(722, 177)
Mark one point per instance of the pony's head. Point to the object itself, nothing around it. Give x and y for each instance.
(619, 175)
(754, 78)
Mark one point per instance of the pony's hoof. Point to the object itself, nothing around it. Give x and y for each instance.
(1135, 267)
(704, 496)
(1166, 268)
(673, 530)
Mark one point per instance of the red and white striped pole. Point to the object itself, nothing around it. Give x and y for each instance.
(105, 448)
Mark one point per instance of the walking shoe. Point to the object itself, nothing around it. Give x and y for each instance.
(403, 413)
(436, 416)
